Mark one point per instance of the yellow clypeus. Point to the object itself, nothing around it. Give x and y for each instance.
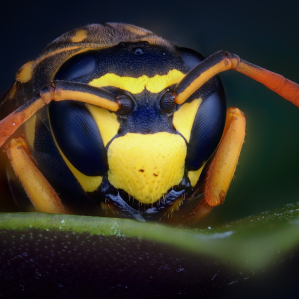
(146, 166)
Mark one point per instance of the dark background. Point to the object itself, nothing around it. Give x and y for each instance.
(262, 32)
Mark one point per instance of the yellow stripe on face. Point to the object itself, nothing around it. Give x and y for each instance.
(146, 166)
(194, 175)
(106, 121)
(88, 183)
(137, 85)
(184, 117)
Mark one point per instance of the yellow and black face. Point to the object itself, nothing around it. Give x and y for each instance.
(141, 159)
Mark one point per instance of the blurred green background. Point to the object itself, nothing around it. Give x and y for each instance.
(262, 32)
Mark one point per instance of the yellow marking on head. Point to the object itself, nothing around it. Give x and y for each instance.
(194, 175)
(106, 121)
(30, 130)
(146, 165)
(136, 85)
(79, 36)
(88, 183)
(25, 72)
(184, 117)
(136, 30)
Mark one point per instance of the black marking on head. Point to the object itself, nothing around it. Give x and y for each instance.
(125, 59)
(147, 116)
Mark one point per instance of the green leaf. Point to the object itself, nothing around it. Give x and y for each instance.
(237, 249)
(259, 239)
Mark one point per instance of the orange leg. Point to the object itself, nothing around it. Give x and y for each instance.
(222, 167)
(40, 192)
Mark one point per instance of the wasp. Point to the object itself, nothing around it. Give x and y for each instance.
(112, 120)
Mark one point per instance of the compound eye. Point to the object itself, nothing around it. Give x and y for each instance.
(83, 64)
(190, 57)
(167, 103)
(126, 104)
(78, 137)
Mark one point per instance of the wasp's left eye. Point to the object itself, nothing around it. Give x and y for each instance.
(126, 104)
(78, 137)
(167, 103)
(78, 66)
